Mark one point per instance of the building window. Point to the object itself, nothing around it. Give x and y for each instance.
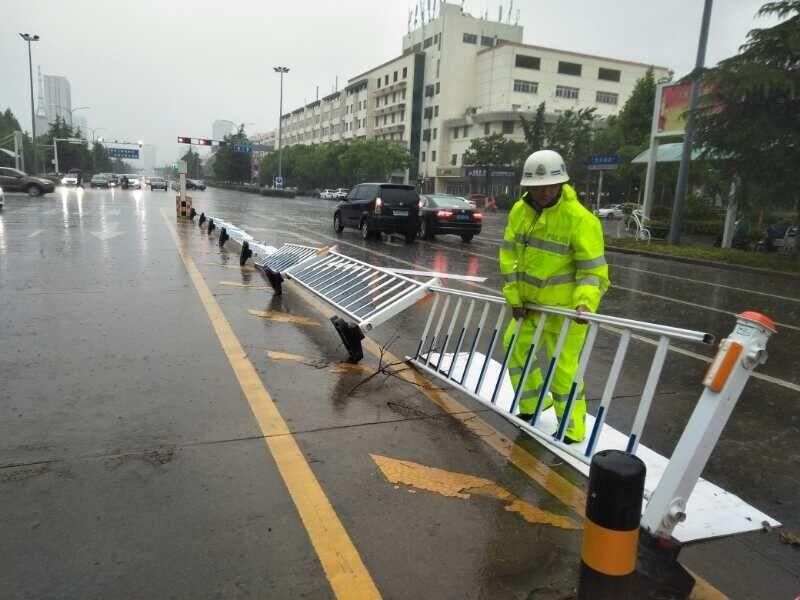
(454, 159)
(417, 47)
(422, 156)
(436, 111)
(437, 68)
(609, 74)
(428, 113)
(437, 87)
(487, 41)
(427, 43)
(405, 72)
(470, 38)
(386, 79)
(508, 126)
(563, 91)
(395, 77)
(429, 90)
(455, 133)
(569, 68)
(607, 98)
(436, 39)
(403, 94)
(377, 121)
(392, 117)
(394, 97)
(526, 87)
(402, 117)
(527, 62)
(377, 102)
(385, 119)
(435, 131)
(433, 155)
(379, 82)
(466, 130)
(487, 128)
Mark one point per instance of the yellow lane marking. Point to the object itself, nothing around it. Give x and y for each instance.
(251, 286)
(346, 572)
(283, 317)
(460, 485)
(332, 367)
(560, 487)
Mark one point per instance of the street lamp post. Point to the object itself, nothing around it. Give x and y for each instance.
(280, 70)
(72, 113)
(31, 38)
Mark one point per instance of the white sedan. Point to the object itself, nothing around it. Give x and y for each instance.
(611, 212)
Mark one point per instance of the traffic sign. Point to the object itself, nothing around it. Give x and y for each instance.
(131, 153)
(603, 162)
(242, 148)
(279, 182)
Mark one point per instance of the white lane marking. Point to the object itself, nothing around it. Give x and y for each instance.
(111, 231)
(693, 304)
(35, 233)
(700, 281)
(768, 378)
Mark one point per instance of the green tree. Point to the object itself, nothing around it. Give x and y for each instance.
(572, 136)
(194, 165)
(536, 130)
(751, 118)
(373, 160)
(233, 166)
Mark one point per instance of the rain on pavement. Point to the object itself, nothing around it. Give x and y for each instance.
(132, 464)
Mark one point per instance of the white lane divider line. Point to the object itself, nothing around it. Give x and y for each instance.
(35, 233)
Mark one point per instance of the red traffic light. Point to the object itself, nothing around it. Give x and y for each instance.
(203, 142)
(184, 140)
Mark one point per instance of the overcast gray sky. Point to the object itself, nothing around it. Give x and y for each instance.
(153, 70)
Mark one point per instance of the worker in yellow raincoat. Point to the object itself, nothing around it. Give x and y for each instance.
(553, 255)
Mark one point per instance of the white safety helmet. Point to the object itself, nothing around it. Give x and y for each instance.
(544, 167)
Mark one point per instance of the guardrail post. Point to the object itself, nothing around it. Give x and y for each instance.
(611, 528)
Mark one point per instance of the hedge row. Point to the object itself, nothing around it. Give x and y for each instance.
(252, 189)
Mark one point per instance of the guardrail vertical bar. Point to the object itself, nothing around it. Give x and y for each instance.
(438, 329)
(528, 362)
(436, 299)
(608, 392)
(512, 344)
(591, 335)
(473, 345)
(647, 394)
(457, 350)
(548, 378)
(449, 334)
(501, 315)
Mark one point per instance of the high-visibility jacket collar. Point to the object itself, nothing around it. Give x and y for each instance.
(531, 201)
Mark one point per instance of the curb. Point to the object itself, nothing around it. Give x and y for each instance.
(702, 261)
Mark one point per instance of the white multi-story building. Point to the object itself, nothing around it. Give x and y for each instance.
(55, 100)
(459, 78)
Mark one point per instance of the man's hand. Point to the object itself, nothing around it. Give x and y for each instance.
(582, 308)
(518, 312)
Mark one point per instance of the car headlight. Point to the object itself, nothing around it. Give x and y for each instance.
(64, 180)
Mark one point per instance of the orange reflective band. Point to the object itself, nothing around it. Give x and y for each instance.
(609, 551)
(720, 369)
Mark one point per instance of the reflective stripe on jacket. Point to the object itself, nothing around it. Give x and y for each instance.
(555, 257)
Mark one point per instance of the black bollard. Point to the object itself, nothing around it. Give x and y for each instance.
(245, 253)
(211, 225)
(223, 237)
(611, 529)
(202, 219)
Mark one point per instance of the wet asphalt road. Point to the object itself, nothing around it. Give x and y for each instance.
(133, 467)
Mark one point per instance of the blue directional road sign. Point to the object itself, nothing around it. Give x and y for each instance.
(242, 148)
(603, 162)
(132, 153)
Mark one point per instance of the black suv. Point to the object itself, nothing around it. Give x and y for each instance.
(377, 208)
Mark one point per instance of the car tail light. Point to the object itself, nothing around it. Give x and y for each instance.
(477, 215)
(446, 214)
(378, 206)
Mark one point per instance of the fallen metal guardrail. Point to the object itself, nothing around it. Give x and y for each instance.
(462, 336)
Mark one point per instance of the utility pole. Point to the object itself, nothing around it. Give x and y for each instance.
(688, 137)
(31, 38)
(280, 70)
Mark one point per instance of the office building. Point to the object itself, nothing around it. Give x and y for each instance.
(458, 78)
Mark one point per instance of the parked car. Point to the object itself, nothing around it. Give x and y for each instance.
(69, 179)
(443, 213)
(376, 208)
(341, 193)
(614, 211)
(195, 184)
(113, 179)
(131, 181)
(328, 194)
(13, 180)
(158, 183)
(99, 181)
